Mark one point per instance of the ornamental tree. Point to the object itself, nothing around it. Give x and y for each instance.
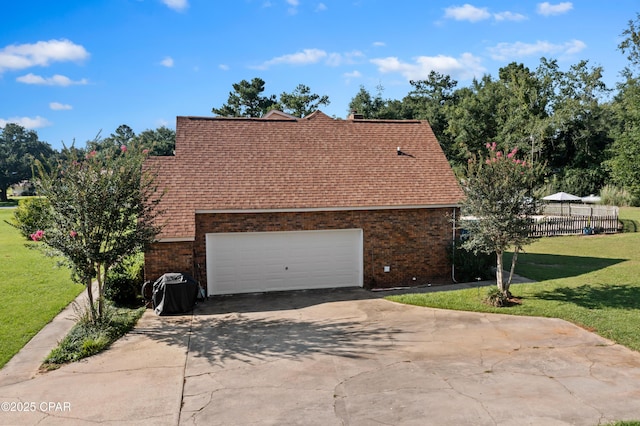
(102, 209)
(498, 206)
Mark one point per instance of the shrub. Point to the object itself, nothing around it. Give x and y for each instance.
(613, 196)
(468, 265)
(88, 338)
(496, 298)
(124, 280)
(31, 215)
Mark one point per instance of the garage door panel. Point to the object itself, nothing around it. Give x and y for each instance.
(271, 261)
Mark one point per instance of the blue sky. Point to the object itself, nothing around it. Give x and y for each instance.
(72, 69)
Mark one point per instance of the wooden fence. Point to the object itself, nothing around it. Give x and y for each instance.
(574, 225)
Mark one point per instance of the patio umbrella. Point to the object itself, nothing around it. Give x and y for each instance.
(591, 199)
(561, 197)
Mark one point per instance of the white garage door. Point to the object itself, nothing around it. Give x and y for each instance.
(247, 262)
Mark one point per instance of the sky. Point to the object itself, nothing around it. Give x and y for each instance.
(73, 70)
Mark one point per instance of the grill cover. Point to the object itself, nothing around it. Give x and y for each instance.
(174, 293)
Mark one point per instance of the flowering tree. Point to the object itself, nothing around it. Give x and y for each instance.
(102, 209)
(498, 206)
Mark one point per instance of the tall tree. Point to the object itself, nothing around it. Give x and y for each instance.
(102, 208)
(301, 102)
(625, 150)
(498, 189)
(18, 148)
(474, 119)
(429, 100)
(578, 126)
(377, 108)
(246, 100)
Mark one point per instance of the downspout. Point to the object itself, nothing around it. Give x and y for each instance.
(453, 254)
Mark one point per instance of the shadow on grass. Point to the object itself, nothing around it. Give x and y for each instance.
(629, 225)
(616, 296)
(542, 267)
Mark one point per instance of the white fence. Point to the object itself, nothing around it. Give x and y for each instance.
(569, 209)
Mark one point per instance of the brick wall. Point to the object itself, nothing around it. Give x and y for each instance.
(168, 257)
(412, 242)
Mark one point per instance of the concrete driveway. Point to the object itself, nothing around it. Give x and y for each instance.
(343, 357)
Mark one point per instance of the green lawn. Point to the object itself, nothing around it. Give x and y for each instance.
(592, 281)
(32, 289)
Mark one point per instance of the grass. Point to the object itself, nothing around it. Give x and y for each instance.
(32, 289)
(592, 281)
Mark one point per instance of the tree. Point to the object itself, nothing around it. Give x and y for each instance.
(246, 100)
(18, 148)
(102, 209)
(625, 157)
(630, 45)
(160, 142)
(301, 102)
(578, 126)
(375, 107)
(429, 100)
(498, 195)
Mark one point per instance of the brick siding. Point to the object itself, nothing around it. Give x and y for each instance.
(412, 242)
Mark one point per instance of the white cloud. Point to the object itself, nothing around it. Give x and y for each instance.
(337, 59)
(56, 80)
(548, 9)
(294, 6)
(42, 53)
(223, 67)
(379, 44)
(467, 12)
(167, 62)
(177, 5)
(321, 7)
(465, 67)
(26, 122)
(509, 16)
(57, 106)
(509, 51)
(307, 56)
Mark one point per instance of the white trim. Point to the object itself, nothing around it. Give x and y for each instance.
(175, 240)
(325, 209)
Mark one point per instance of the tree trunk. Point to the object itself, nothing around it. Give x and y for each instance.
(3, 193)
(514, 259)
(100, 290)
(90, 297)
(499, 268)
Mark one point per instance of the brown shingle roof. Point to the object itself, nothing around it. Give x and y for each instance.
(311, 163)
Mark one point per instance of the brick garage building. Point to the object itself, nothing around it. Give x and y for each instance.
(281, 203)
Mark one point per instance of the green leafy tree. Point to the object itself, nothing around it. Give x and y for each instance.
(247, 100)
(625, 152)
(160, 141)
(377, 108)
(429, 100)
(102, 209)
(624, 163)
(18, 148)
(498, 191)
(301, 102)
(578, 127)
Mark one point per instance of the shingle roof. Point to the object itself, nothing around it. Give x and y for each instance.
(311, 163)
